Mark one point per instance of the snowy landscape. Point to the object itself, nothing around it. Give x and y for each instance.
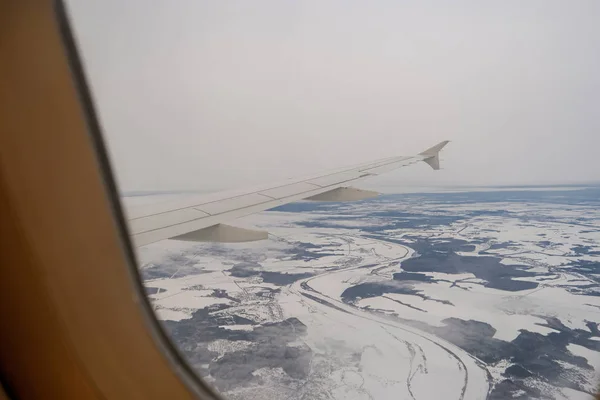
(466, 295)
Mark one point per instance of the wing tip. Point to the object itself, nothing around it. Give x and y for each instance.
(433, 151)
(432, 155)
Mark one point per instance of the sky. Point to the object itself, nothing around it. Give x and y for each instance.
(210, 95)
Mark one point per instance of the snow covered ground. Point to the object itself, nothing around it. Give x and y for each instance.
(460, 295)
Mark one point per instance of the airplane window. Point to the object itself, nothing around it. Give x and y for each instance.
(386, 269)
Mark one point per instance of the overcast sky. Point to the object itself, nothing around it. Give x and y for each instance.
(217, 94)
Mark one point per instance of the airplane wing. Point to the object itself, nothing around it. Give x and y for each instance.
(202, 217)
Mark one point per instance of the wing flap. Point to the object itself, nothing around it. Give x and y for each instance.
(336, 178)
(233, 203)
(288, 190)
(143, 224)
(391, 165)
(344, 194)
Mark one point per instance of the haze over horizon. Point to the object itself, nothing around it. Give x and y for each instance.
(215, 95)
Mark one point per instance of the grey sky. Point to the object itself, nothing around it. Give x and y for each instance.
(215, 94)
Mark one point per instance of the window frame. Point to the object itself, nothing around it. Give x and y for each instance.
(76, 320)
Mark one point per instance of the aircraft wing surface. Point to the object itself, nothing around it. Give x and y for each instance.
(202, 217)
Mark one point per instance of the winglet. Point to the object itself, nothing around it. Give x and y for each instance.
(432, 155)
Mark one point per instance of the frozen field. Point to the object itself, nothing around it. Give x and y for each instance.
(449, 295)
